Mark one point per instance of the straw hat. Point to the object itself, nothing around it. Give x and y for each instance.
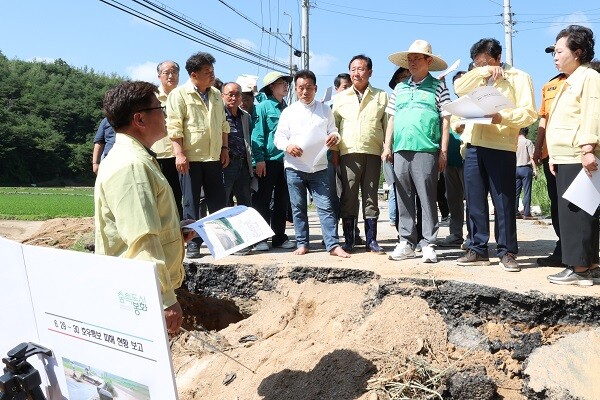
(272, 77)
(418, 47)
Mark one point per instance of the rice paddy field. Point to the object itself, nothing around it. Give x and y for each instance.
(38, 204)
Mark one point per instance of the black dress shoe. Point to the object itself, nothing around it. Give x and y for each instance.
(550, 261)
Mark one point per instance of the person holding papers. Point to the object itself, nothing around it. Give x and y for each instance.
(572, 135)
(417, 137)
(305, 130)
(491, 154)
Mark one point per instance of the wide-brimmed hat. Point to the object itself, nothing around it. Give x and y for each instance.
(418, 47)
(549, 49)
(272, 77)
(392, 83)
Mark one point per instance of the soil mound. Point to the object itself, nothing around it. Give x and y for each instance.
(63, 233)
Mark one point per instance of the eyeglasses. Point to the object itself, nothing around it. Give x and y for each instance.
(170, 72)
(414, 60)
(482, 63)
(232, 94)
(163, 108)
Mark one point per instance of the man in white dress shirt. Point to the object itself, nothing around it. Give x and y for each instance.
(306, 129)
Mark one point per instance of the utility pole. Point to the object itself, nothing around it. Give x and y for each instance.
(508, 24)
(305, 7)
(291, 48)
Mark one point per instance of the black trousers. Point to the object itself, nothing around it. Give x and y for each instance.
(551, 187)
(167, 166)
(207, 175)
(273, 186)
(578, 229)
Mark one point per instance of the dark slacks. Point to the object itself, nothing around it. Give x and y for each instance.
(273, 186)
(207, 175)
(167, 166)
(491, 171)
(578, 229)
(552, 194)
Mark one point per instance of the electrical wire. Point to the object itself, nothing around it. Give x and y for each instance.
(160, 24)
(405, 22)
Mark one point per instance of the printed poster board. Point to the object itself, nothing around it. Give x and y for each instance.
(102, 317)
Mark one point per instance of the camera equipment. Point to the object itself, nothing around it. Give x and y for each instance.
(20, 380)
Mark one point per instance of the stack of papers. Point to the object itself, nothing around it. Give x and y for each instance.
(477, 105)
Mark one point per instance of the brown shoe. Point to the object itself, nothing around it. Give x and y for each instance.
(473, 258)
(509, 263)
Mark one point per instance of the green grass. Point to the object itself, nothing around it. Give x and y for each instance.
(38, 204)
(539, 193)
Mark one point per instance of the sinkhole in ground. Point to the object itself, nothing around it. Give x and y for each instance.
(330, 333)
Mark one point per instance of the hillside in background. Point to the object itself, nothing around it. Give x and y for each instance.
(49, 113)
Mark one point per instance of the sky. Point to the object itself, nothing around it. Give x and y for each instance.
(95, 34)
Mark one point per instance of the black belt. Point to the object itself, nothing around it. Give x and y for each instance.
(237, 157)
(526, 165)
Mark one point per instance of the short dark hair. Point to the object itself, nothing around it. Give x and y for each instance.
(198, 60)
(487, 46)
(595, 64)
(159, 66)
(306, 74)
(122, 101)
(364, 58)
(579, 38)
(338, 79)
(218, 84)
(457, 75)
(524, 131)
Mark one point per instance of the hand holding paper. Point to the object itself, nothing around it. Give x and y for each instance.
(478, 105)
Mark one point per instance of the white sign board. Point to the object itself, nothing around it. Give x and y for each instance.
(101, 316)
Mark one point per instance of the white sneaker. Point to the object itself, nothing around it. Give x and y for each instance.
(402, 251)
(288, 244)
(429, 255)
(418, 248)
(261, 246)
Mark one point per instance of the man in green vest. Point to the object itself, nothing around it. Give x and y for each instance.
(417, 137)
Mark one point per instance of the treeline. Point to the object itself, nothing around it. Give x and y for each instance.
(49, 113)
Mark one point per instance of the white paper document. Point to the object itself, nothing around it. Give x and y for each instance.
(452, 68)
(584, 191)
(327, 95)
(231, 229)
(313, 149)
(485, 100)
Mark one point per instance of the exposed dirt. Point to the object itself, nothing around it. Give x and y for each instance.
(308, 333)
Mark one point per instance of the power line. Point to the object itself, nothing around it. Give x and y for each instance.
(259, 26)
(163, 11)
(405, 22)
(167, 27)
(445, 16)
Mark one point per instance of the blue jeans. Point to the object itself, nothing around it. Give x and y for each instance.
(392, 204)
(317, 184)
(237, 180)
(524, 175)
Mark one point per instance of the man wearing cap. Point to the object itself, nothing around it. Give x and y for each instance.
(541, 156)
(168, 74)
(360, 117)
(417, 136)
(491, 154)
(268, 160)
(305, 128)
(198, 129)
